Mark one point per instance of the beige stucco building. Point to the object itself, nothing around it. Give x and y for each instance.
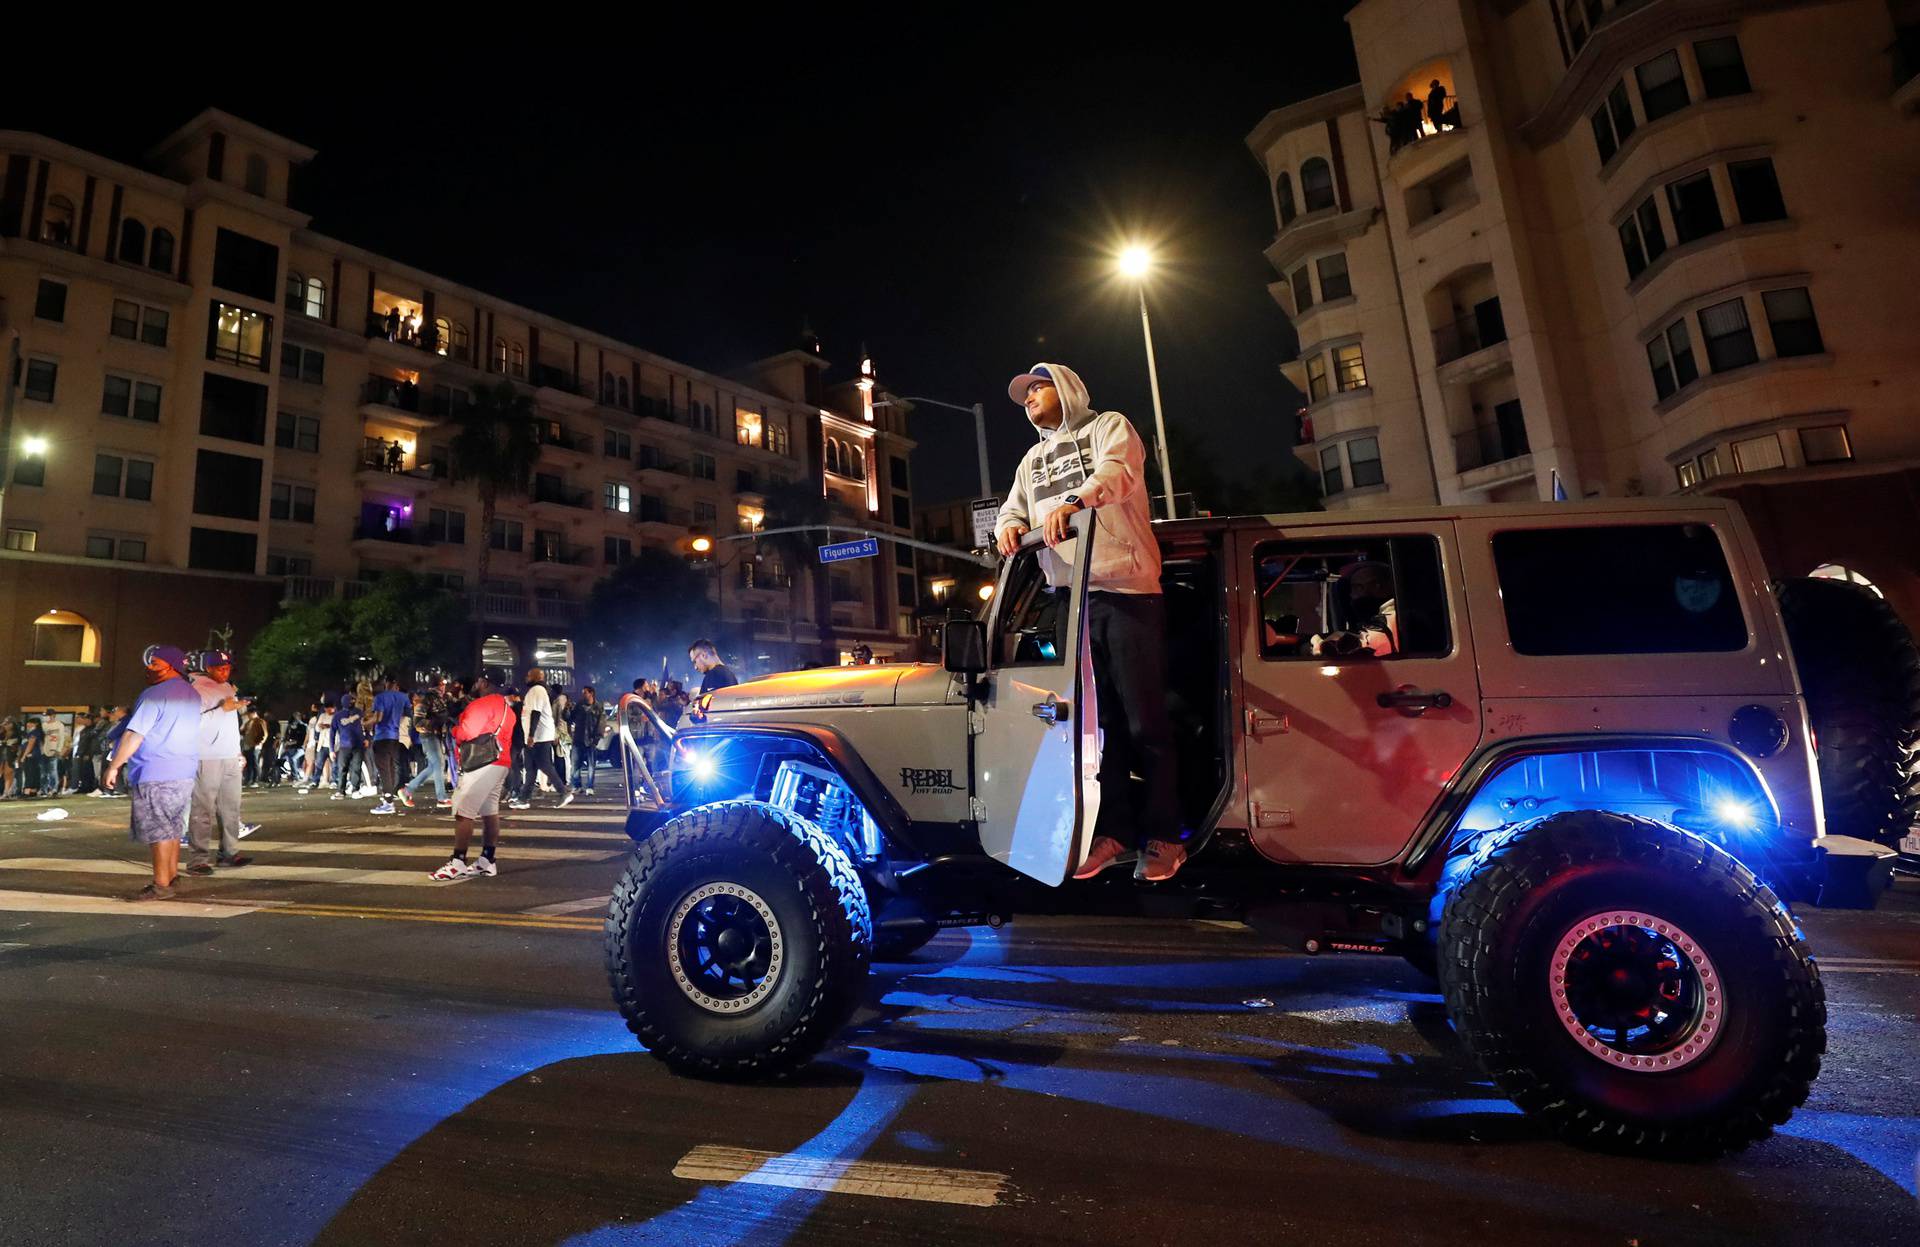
(1645, 247)
(208, 385)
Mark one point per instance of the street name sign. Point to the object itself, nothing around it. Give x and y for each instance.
(840, 551)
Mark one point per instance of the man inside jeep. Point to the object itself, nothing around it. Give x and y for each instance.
(1088, 459)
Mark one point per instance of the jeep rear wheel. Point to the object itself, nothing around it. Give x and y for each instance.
(1861, 672)
(737, 941)
(1633, 986)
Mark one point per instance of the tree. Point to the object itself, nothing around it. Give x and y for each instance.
(400, 625)
(496, 447)
(651, 606)
(1290, 488)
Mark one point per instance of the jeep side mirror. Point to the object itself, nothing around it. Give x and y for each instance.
(965, 646)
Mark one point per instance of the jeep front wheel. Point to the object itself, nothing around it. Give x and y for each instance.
(1633, 986)
(737, 941)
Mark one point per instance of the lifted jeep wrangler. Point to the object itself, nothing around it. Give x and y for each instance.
(1557, 755)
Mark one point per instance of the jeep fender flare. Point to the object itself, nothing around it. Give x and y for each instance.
(1421, 859)
(835, 752)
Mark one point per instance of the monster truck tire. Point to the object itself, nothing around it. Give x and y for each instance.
(1422, 950)
(1861, 673)
(781, 895)
(1526, 961)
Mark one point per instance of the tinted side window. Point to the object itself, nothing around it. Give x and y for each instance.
(1351, 598)
(1627, 589)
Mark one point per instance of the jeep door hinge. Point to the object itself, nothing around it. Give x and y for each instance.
(977, 809)
(976, 722)
(1260, 723)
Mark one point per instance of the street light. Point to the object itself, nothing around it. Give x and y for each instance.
(979, 411)
(1135, 263)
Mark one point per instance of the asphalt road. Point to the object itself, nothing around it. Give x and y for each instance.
(327, 1048)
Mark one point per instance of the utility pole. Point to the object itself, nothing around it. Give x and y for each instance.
(1159, 417)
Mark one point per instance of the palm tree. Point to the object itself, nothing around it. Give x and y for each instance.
(791, 504)
(496, 447)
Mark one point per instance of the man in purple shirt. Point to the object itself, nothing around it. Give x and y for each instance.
(390, 707)
(160, 749)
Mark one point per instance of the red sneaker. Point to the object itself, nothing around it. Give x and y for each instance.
(1105, 851)
(1161, 861)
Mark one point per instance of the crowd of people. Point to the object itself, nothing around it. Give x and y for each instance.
(1408, 120)
(191, 744)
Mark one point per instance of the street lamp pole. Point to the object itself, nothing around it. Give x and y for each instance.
(979, 411)
(1159, 416)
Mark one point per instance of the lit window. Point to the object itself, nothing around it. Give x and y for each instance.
(749, 428)
(62, 636)
(1758, 454)
(237, 335)
(1316, 377)
(1688, 474)
(750, 518)
(22, 540)
(1349, 369)
(618, 496)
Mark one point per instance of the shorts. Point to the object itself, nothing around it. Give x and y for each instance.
(160, 810)
(477, 795)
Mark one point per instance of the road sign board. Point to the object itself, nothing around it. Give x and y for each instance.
(984, 512)
(840, 551)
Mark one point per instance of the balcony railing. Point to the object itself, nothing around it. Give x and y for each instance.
(566, 439)
(661, 463)
(549, 377)
(1492, 443)
(562, 495)
(385, 392)
(377, 459)
(678, 517)
(1484, 328)
(560, 554)
(404, 535)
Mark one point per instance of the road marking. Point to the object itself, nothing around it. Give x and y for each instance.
(375, 848)
(1866, 965)
(66, 903)
(444, 832)
(710, 1163)
(572, 907)
(456, 917)
(280, 874)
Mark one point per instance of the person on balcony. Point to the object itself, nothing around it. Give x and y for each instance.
(393, 324)
(396, 457)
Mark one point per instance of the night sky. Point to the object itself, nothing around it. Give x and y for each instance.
(949, 200)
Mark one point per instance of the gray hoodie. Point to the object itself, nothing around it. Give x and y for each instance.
(1098, 457)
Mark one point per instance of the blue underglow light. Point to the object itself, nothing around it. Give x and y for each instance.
(701, 766)
(1731, 812)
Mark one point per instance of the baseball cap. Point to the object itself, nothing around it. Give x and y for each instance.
(209, 659)
(172, 655)
(1017, 388)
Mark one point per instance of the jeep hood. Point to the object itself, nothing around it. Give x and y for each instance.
(919, 684)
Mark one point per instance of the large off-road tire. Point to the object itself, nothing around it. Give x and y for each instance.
(1860, 670)
(738, 941)
(1633, 986)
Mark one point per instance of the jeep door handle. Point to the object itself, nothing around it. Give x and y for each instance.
(1051, 711)
(1416, 701)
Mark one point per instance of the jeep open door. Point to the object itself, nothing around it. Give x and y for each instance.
(1036, 743)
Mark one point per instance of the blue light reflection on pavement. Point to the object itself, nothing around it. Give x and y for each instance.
(1888, 1144)
(741, 1212)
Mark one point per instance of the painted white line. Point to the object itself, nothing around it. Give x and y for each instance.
(571, 907)
(377, 848)
(63, 903)
(513, 833)
(709, 1163)
(281, 874)
(1866, 965)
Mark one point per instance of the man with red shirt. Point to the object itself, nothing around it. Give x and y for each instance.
(477, 795)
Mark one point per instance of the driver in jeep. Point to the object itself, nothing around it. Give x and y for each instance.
(1088, 459)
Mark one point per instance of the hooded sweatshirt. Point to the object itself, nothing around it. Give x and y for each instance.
(1097, 457)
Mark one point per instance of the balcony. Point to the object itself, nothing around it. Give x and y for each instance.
(555, 437)
(555, 383)
(518, 608)
(561, 495)
(556, 555)
(662, 521)
(376, 470)
(659, 472)
(382, 536)
(399, 402)
(1501, 441)
(1484, 328)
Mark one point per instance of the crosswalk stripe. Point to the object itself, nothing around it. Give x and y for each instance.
(285, 874)
(471, 918)
(514, 832)
(710, 1163)
(377, 848)
(66, 903)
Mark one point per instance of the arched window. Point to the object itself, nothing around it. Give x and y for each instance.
(1316, 185)
(833, 455)
(1283, 192)
(858, 465)
(519, 366)
(442, 334)
(606, 388)
(133, 242)
(160, 251)
(296, 291)
(460, 340)
(316, 298)
(56, 226)
(62, 636)
(497, 654)
(500, 355)
(257, 174)
(622, 393)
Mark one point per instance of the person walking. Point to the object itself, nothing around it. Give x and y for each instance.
(86, 747)
(115, 723)
(32, 742)
(56, 746)
(430, 727)
(349, 748)
(586, 728)
(159, 748)
(483, 739)
(389, 709)
(319, 748)
(216, 789)
(253, 738)
(1089, 460)
(537, 707)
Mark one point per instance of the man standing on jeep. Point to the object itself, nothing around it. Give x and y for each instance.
(1088, 459)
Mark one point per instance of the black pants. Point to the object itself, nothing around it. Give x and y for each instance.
(540, 761)
(386, 760)
(351, 760)
(1129, 636)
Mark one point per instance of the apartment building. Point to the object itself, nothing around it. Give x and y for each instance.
(217, 407)
(1615, 248)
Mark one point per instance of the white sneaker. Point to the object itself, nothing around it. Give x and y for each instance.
(337, 795)
(455, 869)
(589, 792)
(517, 804)
(247, 829)
(564, 802)
(301, 792)
(483, 866)
(385, 807)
